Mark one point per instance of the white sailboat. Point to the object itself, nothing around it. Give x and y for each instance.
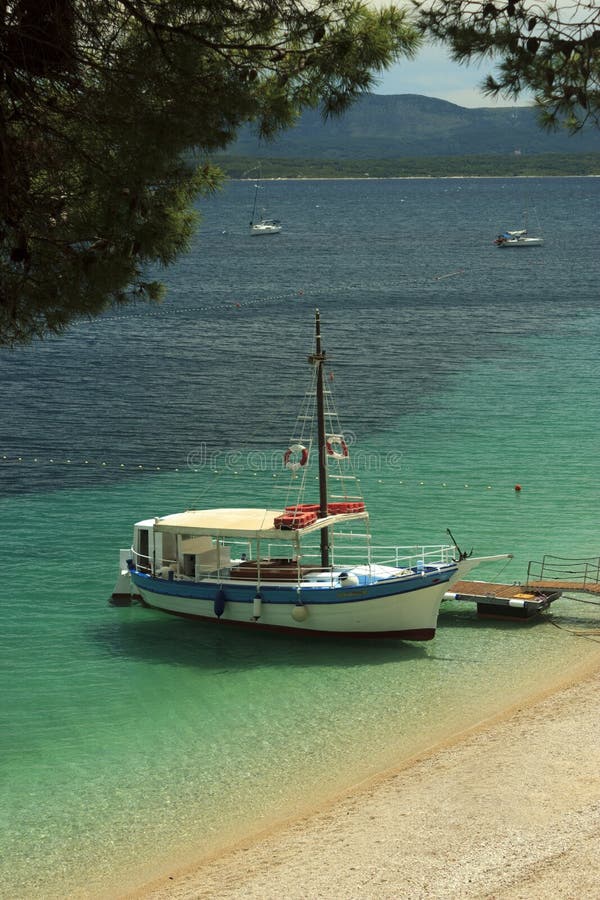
(259, 223)
(521, 238)
(518, 238)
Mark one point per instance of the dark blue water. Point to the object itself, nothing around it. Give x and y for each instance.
(412, 292)
(130, 740)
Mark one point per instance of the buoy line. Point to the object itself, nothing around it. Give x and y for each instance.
(149, 313)
(89, 462)
(75, 463)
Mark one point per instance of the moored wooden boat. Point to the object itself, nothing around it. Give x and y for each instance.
(308, 567)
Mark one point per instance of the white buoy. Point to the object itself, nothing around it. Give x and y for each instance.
(299, 613)
(256, 607)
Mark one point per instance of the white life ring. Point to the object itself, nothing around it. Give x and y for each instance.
(336, 447)
(294, 450)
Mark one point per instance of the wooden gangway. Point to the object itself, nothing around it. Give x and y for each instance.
(503, 601)
(546, 582)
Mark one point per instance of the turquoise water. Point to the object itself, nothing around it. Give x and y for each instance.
(133, 743)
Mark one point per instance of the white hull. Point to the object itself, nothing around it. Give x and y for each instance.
(406, 607)
(522, 242)
(409, 614)
(264, 228)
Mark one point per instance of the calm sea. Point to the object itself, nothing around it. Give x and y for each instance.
(132, 742)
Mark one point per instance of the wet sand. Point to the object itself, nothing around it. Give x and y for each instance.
(510, 810)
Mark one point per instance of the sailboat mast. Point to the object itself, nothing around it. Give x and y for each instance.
(318, 359)
(254, 206)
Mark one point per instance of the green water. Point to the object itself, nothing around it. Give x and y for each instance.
(131, 740)
(132, 743)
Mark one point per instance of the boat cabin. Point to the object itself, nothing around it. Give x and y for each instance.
(239, 544)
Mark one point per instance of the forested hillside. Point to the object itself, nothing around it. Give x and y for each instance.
(410, 125)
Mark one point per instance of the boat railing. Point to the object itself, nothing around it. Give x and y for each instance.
(141, 561)
(583, 571)
(400, 557)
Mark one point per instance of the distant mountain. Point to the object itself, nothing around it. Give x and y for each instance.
(408, 125)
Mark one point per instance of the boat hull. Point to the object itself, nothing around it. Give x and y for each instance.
(258, 229)
(396, 609)
(521, 242)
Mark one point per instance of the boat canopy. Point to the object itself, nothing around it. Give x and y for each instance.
(246, 523)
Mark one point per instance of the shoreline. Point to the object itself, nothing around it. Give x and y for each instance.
(512, 801)
(398, 177)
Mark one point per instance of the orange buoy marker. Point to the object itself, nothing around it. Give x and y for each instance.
(517, 487)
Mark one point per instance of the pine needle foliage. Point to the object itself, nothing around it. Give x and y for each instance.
(548, 47)
(101, 104)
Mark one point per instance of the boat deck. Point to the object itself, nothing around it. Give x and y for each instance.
(272, 570)
(504, 601)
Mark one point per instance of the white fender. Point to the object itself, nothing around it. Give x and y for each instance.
(299, 613)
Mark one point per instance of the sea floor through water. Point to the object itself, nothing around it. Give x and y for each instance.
(132, 742)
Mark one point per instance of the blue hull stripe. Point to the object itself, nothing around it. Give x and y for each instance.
(270, 593)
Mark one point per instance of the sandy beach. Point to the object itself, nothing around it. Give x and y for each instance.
(510, 810)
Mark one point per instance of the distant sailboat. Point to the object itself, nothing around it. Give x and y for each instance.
(261, 224)
(519, 238)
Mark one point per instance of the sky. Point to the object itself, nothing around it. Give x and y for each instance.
(433, 74)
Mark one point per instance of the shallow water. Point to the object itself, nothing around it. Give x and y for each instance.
(131, 740)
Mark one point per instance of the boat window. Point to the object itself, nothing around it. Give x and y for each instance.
(143, 543)
(169, 547)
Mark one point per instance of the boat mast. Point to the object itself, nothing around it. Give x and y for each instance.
(254, 206)
(318, 359)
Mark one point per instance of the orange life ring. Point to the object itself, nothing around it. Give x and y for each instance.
(333, 442)
(295, 464)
